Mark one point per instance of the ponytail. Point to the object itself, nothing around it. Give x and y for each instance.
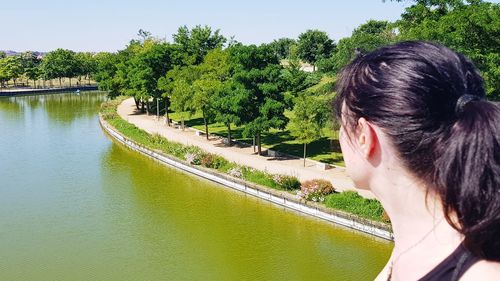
(468, 176)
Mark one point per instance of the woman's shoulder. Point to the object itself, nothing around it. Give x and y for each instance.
(483, 270)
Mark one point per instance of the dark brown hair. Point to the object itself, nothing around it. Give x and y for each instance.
(431, 103)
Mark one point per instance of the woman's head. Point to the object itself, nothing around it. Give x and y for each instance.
(429, 102)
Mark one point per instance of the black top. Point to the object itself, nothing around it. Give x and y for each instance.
(453, 267)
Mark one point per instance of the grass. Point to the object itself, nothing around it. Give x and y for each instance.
(350, 202)
(325, 149)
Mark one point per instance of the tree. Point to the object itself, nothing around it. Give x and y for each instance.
(31, 66)
(205, 89)
(4, 73)
(106, 68)
(470, 28)
(366, 38)
(229, 103)
(258, 71)
(180, 89)
(309, 116)
(13, 68)
(196, 43)
(59, 63)
(214, 71)
(281, 47)
(140, 67)
(86, 66)
(314, 45)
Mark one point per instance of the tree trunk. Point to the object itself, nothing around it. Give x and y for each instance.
(60, 84)
(157, 109)
(182, 122)
(166, 113)
(229, 134)
(259, 148)
(136, 103)
(206, 125)
(148, 109)
(15, 84)
(305, 154)
(142, 106)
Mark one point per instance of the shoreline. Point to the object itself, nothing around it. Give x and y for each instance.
(274, 196)
(30, 91)
(241, 155)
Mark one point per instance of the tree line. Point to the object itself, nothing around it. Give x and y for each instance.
(263, 87)
(57, 64)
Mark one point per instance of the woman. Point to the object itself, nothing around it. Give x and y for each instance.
(418, 132)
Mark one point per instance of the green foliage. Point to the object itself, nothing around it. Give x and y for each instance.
(197, 42)
(11, 68)
(258, 71)
(59, 63)
(472, 29)
(352, 202)
(282, 47)
(30, 64)
(310, 114)
(286, 182)
(314, 45)
(366, 38)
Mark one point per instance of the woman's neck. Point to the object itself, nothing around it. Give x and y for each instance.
(418, 223)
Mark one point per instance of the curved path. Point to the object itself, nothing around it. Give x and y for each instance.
(241, 155)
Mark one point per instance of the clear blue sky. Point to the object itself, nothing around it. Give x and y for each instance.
(108, 25)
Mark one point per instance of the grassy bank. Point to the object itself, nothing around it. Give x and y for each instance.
(349, 202)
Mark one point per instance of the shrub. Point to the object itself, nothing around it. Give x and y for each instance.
(315, 190)
(213, 161)
(287, 182)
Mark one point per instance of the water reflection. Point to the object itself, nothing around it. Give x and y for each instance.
(62, 107)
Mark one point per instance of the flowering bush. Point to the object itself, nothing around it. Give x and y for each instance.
(213, 161)
(287, 182)
(315, 190)
(235, 172)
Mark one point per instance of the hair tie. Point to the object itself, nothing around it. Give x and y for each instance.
(463, 100)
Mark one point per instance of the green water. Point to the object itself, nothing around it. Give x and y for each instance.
(74, 205)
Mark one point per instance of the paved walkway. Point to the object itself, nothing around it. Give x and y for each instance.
(241, 155)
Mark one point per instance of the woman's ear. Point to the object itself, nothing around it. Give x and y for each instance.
(367, 138)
